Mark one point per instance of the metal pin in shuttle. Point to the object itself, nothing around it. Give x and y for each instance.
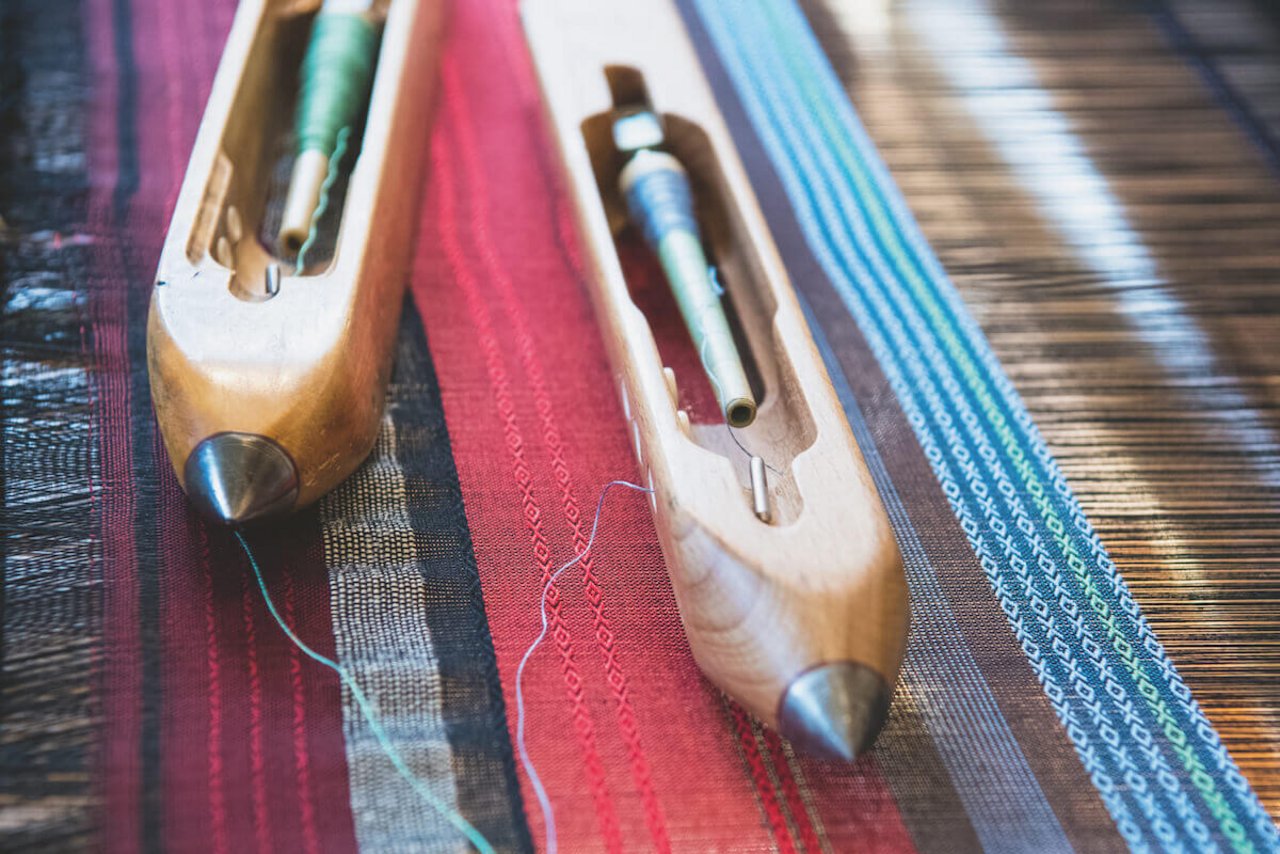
(760, 491)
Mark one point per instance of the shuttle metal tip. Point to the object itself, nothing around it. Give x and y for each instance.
(237, 477)
(835, 711)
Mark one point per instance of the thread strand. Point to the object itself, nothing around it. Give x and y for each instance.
(336, 74)
(454, 817)
(544, 803)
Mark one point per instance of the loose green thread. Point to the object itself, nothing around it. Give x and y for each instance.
(370, 715)
(335, 163)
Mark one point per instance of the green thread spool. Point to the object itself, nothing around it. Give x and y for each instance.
(337, 72)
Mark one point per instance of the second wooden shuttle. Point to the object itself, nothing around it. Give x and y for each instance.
(800, 612)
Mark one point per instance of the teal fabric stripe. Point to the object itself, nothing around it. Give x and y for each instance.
(1156, 761)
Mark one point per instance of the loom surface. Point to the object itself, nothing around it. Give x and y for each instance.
(1100, 186)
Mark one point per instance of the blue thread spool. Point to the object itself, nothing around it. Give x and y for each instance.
(660, 202)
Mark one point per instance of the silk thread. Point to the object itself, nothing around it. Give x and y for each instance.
(454, 817)
(539, 791)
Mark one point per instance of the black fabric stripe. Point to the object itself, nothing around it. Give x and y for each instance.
(147, 556)
(137, 281)
(473, 708)
(50, 607)
(126, 106)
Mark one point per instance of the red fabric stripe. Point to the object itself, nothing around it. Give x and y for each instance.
(301, 752)
(176, 92)
(855, 806)
(755, 763)
(310, 804)
(707, 804)
(791, 792)
(213, 742)
(261, 822)
(249, 735)
(520, 471)
(240, 788)
(460, 119)
(197, 713)
(234, 687)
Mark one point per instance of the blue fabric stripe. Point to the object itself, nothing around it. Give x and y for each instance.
(1158, 765)
(846, 264)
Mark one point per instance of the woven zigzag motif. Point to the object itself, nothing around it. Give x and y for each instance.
(1157, 763)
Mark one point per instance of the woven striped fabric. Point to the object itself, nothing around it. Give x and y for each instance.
(150, 701)
(1157, 763)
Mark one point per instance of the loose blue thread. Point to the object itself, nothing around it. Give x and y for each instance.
(371, 716)
(544, 803)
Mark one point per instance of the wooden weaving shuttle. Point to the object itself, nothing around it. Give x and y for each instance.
(794, 601)
(268, 383)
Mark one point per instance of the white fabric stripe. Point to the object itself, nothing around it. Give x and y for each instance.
(379, 624)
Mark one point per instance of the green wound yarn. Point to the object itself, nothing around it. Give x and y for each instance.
(336, 74)
(335, 163)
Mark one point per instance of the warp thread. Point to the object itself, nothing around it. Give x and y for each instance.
(544, 803)
(455, 818)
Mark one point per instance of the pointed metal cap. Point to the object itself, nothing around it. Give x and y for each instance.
(835, 711)
(237, 477)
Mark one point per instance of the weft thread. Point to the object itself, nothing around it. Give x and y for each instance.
(384, 741)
